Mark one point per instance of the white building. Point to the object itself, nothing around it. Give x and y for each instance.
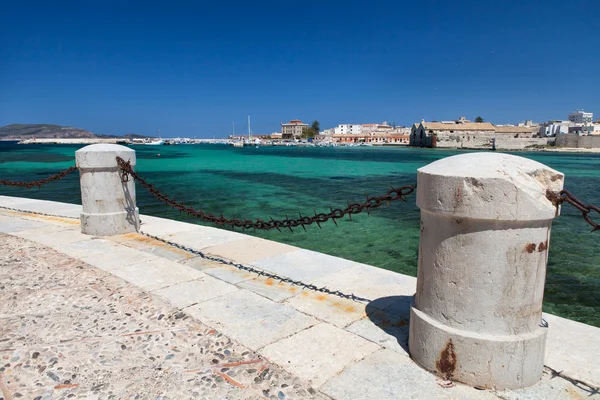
(348, 129)
(581, 117)
(553, 128)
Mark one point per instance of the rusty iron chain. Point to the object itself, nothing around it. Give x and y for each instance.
(371, 203)
(40, 182)
(564, 196)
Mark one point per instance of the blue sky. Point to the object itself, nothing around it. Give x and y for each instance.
(191, 68)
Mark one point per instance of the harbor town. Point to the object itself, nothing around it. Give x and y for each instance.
(579, 131)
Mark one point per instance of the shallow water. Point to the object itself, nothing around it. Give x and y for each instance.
(275, 181)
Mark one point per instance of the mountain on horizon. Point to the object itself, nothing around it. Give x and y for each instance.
(51, 131)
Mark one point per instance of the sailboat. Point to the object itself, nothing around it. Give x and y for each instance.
(156, 142)
(238, 143)
(256, 141)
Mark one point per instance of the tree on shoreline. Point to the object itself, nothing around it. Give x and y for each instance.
(316, 127)
(479, 119)
(308, 133)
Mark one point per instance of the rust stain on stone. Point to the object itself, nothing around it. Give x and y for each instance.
(66, 386)
(269, 281)
(447, 362)
(530, 248)
(321, 297)
(350, 309)
(543, 246)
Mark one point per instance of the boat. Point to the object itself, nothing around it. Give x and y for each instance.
(156, 142)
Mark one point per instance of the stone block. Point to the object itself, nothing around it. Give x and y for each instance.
(302, 265)
(270, 288)
(250, 319)
(383, 288)
(156, 274)
(249, 249)
(185, 294)
(319, 353)
(152, 246)
(106, 254)
(577, 360)
(386, 329)
(10, 224)
(329, 308)
(53, 236)
(387, 375)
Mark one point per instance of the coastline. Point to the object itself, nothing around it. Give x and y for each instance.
(88, 141)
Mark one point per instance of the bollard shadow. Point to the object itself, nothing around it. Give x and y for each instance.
(132, 216)
(390, 317)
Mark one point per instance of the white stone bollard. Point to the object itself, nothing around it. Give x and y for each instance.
(485, 228)
(108, 203)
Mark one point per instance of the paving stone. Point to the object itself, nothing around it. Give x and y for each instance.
(200, 263)
(385, 374)
(11, 224)
(229, 274)
(63, 220)
(54, 236)
(382, 287)
(151, 246)
(387, 330)
(319, 353)
(156, 274)
(250, 319)
(270, 288)
(575, 360)
(106, 254)
(203, 236)
(187, 293)
(163, 226)
(43, 206)
(303, 265)
(249, 249)
(329, 308)
(552, 386)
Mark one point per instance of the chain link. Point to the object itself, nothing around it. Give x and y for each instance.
(564, 196)
(371, 203)
(40, 182)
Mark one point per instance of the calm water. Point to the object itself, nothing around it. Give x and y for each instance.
(275, 181)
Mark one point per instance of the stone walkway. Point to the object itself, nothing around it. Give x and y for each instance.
(127, 316)
(68, 330)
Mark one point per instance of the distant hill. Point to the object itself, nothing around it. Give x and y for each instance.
(49, 131)
(30, 131)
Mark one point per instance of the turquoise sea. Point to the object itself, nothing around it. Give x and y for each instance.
(275, 181)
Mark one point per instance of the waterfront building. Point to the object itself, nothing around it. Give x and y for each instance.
(348, 129)
(292, 129)
(377, 138)
(368, 128)
(581, 117)
(553, 128)
(454, 134)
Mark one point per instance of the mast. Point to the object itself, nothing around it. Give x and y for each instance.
(248, 127)
(233, 132)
